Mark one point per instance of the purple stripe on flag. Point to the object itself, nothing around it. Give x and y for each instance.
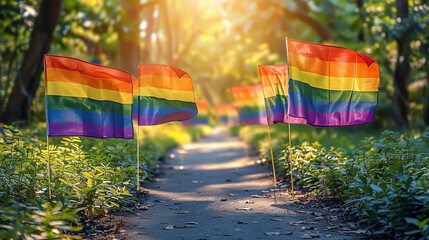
(61, 129)
(335, 119)
(282, 117)
(145, 120)
(253, 121)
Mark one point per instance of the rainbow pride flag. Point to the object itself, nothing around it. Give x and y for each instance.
(202, 118)
(86, 99)
(331, 86)
(228, 114)
(166, 94)
(250, 104)
(274, 81)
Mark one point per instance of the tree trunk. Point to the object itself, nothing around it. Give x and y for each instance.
(402, 72)
(28, 77)
(168, 33)
(129, 36)
(146, 57)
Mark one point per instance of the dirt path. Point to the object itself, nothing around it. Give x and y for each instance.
(218, 193)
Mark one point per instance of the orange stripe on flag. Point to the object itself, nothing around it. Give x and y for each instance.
(72, 76)
(314, 65)
(326, 52)
(173, 82)
(87, 68)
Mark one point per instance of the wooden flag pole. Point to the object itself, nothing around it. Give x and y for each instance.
(49, 168)
(138, 158)
(290, 160)
(272, 157)
(290, 137)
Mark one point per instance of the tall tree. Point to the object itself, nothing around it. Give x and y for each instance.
(28, 77)
(129, 35)
(147, 49)
(402, 72)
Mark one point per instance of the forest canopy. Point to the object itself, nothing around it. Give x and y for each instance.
(219, 43)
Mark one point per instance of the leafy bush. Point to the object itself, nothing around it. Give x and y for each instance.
(385, 181)
(88, 177)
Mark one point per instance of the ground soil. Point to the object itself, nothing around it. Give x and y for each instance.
(210, 189)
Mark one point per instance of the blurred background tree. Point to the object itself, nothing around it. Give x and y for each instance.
(219, 43)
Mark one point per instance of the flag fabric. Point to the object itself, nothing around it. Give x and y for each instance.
(274, 81)
(166, 94)
(202, 117)
(331, 86)
(86, 99)
(250, 104)
(228, 114)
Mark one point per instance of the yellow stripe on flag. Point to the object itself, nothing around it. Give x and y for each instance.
(334, 83)
(169, 94)
(85, 91)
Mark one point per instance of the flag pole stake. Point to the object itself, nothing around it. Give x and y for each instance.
(49, 168)
(272, 157)
(138, 158)
(288, 116)
(290, 160)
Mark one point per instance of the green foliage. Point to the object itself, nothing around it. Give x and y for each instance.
(383, 180)
(88, 177)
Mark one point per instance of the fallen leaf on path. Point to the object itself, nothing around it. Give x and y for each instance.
(309, 228)
(241, 222)
(158, 201)
(142, 207)
(223, 200)
(265, 191)
(306, 236)
(245, 209)
(231, 194)
(255, 196)
(191, 223)
(183, 212)
(360, 231)
(274, 190)
(276, 219)
(246, 201)
(169, 227)
(319, 218)
(315, 235)
(331, 227)
(121, 223)
(195, 181)
(296, 223)
(328, 236)
(189, 226)
(228, 180)
(272, 233)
